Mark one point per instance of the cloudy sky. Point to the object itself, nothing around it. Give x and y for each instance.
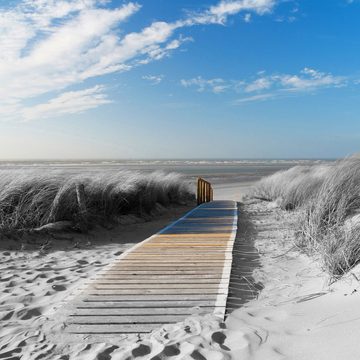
(179, 79)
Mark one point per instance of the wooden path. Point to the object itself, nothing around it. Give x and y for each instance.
(164, 279)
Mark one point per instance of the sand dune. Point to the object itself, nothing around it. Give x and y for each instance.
(297, 314)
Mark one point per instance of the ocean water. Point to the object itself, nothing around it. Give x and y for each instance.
(217, 171)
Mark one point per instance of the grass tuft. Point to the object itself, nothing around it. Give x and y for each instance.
(291, 188)
(31, 199)
(327, 203)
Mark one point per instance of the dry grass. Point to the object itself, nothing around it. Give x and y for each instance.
(327, 200)
(29, 199)
(291, 188)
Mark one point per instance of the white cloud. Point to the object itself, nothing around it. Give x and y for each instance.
(66, 54)
(154, 79)
(49, 45)
(71, 102)
(259, 97)
(309, 79)
(270, 86)
(216, 85)
(259, 84)
(218, 14)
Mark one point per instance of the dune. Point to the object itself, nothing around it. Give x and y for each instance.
(299, 312)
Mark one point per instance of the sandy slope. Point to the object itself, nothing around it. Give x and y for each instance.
(297, 315)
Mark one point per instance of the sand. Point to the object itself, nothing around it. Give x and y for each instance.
(297, 314)
(38, 274)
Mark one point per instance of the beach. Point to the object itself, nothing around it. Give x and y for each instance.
(291, 310)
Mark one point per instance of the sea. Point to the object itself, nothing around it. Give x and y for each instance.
(226, 175)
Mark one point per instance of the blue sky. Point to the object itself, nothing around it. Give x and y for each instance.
(179, 79)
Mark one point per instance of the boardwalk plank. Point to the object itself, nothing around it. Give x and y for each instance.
(154, 286)
(115, 302)
(111, 329)
(166, 291)
(126, 319)
(183, 270)
(140, 311)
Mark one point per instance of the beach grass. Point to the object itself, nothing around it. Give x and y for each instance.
(30, 199)
(326, 204)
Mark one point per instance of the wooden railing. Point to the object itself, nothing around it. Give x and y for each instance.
(204, 191)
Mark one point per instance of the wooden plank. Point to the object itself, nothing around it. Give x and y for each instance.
(144, 303)
(115, 286)
(165, 262)
(199, 272)
(183, 251)
(151, 297)
(130, 281)
(168, 265)
(159, 277)
(108, 311)
(158, 255)
(145, 292)
(111, 329)
(125, 319)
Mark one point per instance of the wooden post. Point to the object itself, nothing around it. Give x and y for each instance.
(204, 191)
(198, 192)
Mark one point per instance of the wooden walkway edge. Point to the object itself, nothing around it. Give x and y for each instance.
(182, 270)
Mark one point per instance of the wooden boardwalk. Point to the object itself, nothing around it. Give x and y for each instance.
(182, 270)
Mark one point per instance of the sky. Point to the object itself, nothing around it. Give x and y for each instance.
(100, 79)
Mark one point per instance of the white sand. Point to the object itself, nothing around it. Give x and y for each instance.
(231, 191)
(296, 316)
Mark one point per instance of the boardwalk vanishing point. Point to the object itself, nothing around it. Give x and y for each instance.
(180, 271)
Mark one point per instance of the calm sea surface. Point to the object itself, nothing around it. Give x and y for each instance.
(217, 171)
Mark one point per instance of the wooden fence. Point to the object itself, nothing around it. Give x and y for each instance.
(204, 191)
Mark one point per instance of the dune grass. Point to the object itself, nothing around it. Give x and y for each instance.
(326, 200)
(291, 188)
(30, 199)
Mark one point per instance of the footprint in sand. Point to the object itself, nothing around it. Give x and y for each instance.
(59, 287)
(26, 314)
(82, 262)
(57, 278)
(219, 338)
(171, 350)
(105, 355)
(8, 316)
(168, 351)
(196, 355)
(9, 354)
(141, 351)
(11, 284)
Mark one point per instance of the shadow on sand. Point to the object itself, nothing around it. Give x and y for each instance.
(246, 259)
